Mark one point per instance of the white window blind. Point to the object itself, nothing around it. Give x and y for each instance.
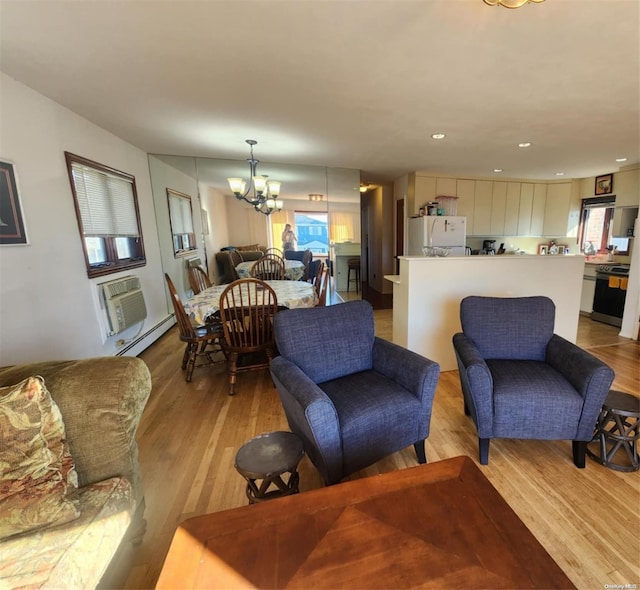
(106, 203)
(180, 211)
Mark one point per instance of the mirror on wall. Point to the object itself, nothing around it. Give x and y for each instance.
(235, 223)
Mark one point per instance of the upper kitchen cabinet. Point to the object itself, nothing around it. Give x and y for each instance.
(512, 209)
(466, 193)
(498, 208)
(557, 209)
(526, 206)
(626, 188)
(482, 208)
(537, 209)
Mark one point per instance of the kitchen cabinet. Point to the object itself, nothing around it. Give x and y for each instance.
(624, 219)
(482, 208)
(526, 206)
(425, 191)
(556, 211)
(537, 209)
(446, 187)
(512, 209)
(466, 193)
(498, 208)
(626, 188)
(588, 289)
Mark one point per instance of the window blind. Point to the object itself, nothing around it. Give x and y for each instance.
(106, 204)
(180, 211)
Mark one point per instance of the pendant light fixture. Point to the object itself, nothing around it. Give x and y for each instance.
(260, 193)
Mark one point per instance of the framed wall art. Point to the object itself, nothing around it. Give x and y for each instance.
(12, 230)
(543, 249)
(604, 184)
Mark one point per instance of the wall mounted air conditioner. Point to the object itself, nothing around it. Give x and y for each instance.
(124, 303)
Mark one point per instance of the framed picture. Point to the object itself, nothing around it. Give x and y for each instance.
(542, 249)
(12, 231)
(563, 249)
(604, 184)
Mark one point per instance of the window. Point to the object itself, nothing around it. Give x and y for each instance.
(313, 231)
(596, 224)
(180, 216)
(106, 204)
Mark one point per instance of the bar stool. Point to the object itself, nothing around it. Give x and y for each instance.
(353, 264)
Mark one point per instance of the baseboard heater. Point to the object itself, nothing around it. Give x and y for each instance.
(133, 343)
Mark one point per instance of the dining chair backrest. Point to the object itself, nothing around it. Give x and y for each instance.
(198, 279)
(184, 324)
(324, 287)
(268, 268)
(247, 309)
(275, 251)
(306, 260)
(235, 258)
(318, 276)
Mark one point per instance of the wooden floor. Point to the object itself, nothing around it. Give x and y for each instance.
(587, 519)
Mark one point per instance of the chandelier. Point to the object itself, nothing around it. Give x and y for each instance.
(510, 3)
(261, 193)
(315, 197)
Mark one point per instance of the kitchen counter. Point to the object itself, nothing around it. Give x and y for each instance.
(428, 291)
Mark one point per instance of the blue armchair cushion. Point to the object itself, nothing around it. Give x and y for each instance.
(377, 416)
(509, 328)
(319, 354)
(533, 400)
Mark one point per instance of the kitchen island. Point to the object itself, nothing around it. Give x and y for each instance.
(428, 291)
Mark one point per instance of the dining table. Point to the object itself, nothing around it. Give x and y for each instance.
(293, 269)
(290, 294)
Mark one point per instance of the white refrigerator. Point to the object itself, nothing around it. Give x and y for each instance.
(437, 231)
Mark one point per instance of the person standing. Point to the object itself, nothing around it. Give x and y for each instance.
(289, 238)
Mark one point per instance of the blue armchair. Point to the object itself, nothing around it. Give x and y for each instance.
(520, 380)
(352, 398)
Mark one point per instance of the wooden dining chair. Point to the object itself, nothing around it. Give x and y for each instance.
(198, 339)
(276, 251)
(307, 256)
(324, 288)
(198, 279)
(235, 258)
(268, 268)
(315, 281)
(247, 309)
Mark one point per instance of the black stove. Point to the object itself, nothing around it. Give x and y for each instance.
(610, 293)
(614, 269)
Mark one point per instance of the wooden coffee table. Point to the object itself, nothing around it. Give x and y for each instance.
(441, 525)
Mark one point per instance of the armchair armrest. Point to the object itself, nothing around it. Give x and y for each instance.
(590, 377)
(311, 415)
(415, 373)
(477, 383)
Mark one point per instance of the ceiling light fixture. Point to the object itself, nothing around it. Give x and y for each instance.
(261, 193)
(497, 169)
(510, 3)
(438, 136)
(524, 144)
(559, 173)
(364, 187)
(315, 197)
(621, 159)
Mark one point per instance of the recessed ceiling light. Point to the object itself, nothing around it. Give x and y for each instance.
(524, 144)
(438, 136)
(559, 173)
(621, 159)
(497, 169)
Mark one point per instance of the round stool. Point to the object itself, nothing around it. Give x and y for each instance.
(267, 457)
(617, 431)
(353, 264)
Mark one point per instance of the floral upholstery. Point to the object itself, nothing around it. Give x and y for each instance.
(38, 481)
(101, 402)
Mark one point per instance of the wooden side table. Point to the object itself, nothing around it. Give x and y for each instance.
(617, 432)
(268, 457)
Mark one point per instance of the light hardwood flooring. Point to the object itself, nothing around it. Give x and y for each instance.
(587, 519)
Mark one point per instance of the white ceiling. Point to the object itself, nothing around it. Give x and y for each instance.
(346, 83)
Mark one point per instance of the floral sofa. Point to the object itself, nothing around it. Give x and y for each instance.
(70, 482)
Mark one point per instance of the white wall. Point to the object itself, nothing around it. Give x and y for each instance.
(49, 309)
